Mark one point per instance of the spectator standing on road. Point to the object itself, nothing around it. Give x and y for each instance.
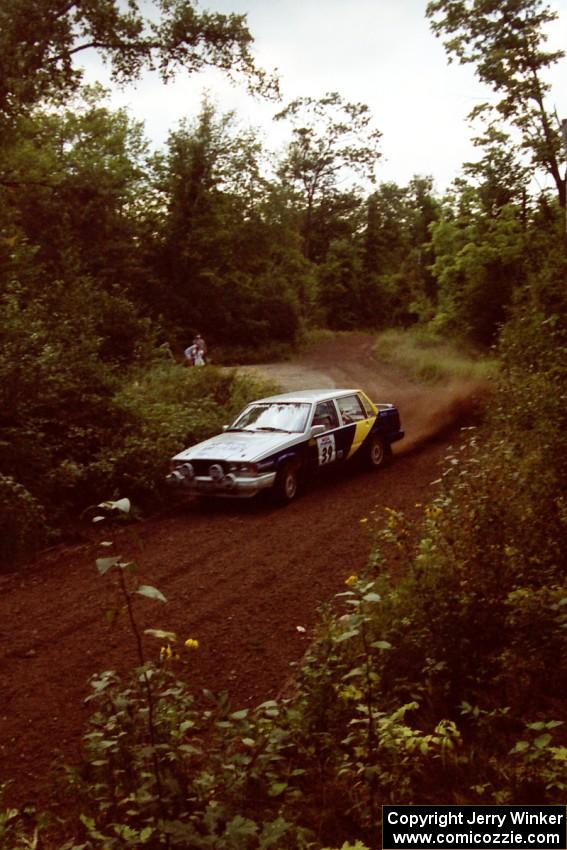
(201, 346)
(190, 355)
(195, 354)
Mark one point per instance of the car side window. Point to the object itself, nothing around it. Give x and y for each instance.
(326, 414)
(351, 409)
(367, 409)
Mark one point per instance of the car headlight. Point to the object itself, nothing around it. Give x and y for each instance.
(183, 468)
(181, 474)
(244, 470)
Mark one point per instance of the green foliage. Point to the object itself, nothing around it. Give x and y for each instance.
(165, 409)
(117, 433)
(66, 180)
(478, 264)
(220, 778)
(330, 138)
(505, 42)
(23, 527)
(20, 829)
(340, 285)
(56, 396)
(432, 359)
(39, 44)
(348, 846)
(170, 408)
(441, 686)
(224, 243)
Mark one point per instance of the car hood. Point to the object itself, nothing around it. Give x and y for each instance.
(239, 446)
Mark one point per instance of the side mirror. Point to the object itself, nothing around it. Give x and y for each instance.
(318, 429)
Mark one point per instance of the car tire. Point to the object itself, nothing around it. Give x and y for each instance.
(378, 452)
(286, 486)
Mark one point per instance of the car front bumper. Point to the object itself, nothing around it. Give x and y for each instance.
(229, 486)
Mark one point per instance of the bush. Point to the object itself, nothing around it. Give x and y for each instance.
(22, 523)
(169, 408)
(211, 779)
(431, 358)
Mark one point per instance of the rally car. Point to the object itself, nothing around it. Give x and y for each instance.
(277, 443)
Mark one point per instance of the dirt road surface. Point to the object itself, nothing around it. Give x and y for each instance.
(239, 577)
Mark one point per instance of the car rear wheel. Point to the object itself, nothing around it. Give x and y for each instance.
(286, 485)
(379, 451)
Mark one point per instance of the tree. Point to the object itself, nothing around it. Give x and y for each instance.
(504, 39)
(500, 177)
(222, 245)
(386, 236)
(397, 250)
(40, 39)
(71, 181)
(332, 140)
(340, 282)
(479, 263)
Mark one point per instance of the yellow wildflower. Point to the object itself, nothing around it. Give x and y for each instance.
(351, 580)
(191, 643)
(166, 653)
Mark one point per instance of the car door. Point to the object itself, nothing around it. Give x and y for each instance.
(325, 447)
(356, 422)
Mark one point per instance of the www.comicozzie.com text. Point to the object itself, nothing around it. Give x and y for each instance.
(444, 819)
(502, 822)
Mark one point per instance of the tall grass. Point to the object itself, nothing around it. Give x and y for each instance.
(424, 356)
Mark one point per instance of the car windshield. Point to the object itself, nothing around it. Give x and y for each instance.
(274, 416)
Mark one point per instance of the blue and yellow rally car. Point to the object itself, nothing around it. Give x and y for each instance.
(280, 441)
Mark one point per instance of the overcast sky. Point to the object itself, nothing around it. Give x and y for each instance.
(378, 52)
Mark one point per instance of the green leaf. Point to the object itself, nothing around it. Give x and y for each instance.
(240, 715)
(347, 635)
(277, 788)
(272, 833)
(151, 592)
(542, 741)
(161, 634)
(372, 597)
(103, 565)
(190, 750)
(239, 829)
(356, 671)
(381, 644)
(520, 747)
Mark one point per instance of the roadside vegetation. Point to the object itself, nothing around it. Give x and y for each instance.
(426, 356)
(444, 685)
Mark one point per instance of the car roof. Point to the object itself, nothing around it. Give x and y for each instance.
(311, 396)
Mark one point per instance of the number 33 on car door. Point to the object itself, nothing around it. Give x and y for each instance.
(327, 449)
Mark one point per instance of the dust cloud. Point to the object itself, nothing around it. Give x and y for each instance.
(348, 361)
(429, 412)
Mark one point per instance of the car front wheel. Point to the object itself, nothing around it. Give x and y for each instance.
(379, 452)
(287, 484)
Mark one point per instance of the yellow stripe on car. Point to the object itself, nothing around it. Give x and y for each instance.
(361, 432)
